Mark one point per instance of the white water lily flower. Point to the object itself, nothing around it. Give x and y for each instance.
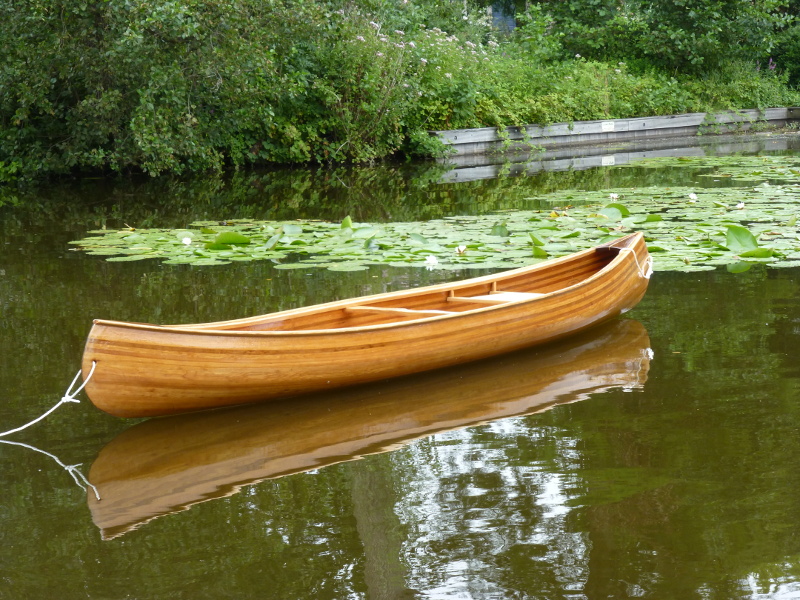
(430, 262)
(692, 197)
(187, 241)
(740, 206)
(461, 250)
(614, 196)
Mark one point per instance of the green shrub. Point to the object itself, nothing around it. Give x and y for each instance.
(163, 86)
(785, 56)
(349, 93)
(742, 85)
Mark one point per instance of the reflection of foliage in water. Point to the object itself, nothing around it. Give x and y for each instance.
(416, 194)
(692, 234)
(720, 409)
(380, 194)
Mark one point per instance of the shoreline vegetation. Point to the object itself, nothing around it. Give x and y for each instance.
(191, 86)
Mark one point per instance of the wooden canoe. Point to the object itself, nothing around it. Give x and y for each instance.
(163, 466)
(143, 370)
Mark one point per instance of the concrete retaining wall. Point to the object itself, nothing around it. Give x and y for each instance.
(488, 139)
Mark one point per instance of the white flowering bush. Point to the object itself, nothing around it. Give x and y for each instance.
(449, 74)
(367, 87)
(377, 81)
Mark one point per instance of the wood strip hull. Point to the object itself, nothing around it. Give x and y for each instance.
(149, 370)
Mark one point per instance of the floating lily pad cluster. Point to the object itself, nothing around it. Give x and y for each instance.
(694, 229)
(775, 169)
(686, 229)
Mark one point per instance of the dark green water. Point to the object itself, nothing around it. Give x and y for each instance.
(688, 487)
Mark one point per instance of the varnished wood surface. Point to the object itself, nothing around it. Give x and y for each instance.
(166, 465)
(148, 370)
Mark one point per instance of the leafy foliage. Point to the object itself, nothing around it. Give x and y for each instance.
(704, 34)
(190, 86)
(161, 86)
(688, 36)
(786, 55)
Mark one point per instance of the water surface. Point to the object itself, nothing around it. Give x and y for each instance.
(581, 471)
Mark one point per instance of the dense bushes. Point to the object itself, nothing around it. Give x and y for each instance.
(162, 86)
(686, 36)
(786, 55)
(192, 85)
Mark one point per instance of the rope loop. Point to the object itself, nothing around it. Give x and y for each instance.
(645, 270)
(69, 396)
(73, 470)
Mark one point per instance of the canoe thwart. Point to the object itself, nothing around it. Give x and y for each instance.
(496, 297)
(405, 311)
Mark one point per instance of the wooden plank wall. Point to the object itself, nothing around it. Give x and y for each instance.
(488, 139)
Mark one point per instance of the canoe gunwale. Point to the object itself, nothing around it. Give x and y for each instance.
(212, 328)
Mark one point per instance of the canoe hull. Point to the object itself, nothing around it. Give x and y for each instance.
(145, 370)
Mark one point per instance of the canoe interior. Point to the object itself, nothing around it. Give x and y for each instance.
(476, 294)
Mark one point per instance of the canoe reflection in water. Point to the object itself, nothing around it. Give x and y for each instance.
(167, 464)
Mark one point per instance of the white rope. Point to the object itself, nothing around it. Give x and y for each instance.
(78, 477)
(69, 396)
(645, 272)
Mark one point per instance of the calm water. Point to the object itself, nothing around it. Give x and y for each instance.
(581, 471)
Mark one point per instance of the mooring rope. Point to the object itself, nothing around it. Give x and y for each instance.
(645, 271)
(76, 475)
(69, 396)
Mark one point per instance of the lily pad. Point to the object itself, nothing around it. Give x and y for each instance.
(231, 237)
(739, 239)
